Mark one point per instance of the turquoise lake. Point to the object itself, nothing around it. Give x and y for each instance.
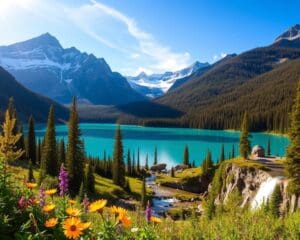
(170, 142)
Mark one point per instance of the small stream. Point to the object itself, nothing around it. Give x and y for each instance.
(162, 199)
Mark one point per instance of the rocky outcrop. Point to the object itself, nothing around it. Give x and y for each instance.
(158, 167)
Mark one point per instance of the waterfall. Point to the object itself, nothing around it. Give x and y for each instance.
(264, 192)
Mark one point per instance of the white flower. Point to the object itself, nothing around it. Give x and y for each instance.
(134, 229)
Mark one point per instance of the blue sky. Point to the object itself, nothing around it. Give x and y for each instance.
(150, 35)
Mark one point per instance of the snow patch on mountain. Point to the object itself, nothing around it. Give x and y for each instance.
(155, 85)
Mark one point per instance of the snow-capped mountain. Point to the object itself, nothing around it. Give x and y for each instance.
(291, 34)
(155, 85)
(44, 66)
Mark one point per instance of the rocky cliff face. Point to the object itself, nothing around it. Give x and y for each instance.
(252, 182)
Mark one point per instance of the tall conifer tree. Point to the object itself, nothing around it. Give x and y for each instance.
(222, 156)
(31, 141)
(186, 160)
(118, 161)
(155, 161)
(269, 147)
(244, 139)
(293, 152)
(49, 164)
(75, 152)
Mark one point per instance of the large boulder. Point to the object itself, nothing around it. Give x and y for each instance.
(158, 167)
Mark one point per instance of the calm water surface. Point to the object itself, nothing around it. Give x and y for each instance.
(170, 142)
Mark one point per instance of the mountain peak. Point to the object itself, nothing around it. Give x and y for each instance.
(291, 34)
(142, 75)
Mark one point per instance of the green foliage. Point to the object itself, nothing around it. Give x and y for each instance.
(75, 152)
(146, 162)
(244, 138)
(30, 177)
(143, 193)
(186, 160)
(275, 202)
(90, 179)
(31, 141)
(172, 172)
(293, 152)
(222, 156)
(155, 161)
(118, 161)
(207, 164)
(129, 165)
(269, 147)
(49, 164)
(61, 152)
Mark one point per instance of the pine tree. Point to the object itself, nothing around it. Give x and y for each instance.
(31, 142)
(222, 156)
(118, 162)
(143, 193)
(62, 152)
(269, 147)
(232, 151)
(133, 169)
(275, 202)
(38, 152)
(244, 139)
(207, 164)
(21, 144)
(129, 173)
(146, 163)
(186, 160)
(293, 152)
(8, 139)
(75, 153)
(138, 166)
(172, 172)
(155, 156)
(90, 179)
(30, 177)
(49, 164)
(193, 164)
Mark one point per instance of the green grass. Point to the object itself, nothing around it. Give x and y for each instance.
(241, 162)
(180, 178)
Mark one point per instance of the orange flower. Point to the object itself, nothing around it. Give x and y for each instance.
(51, 192)
(73, 212)
(49, 208)
(97, 206)
(51, 222)
(155, 220)
(72, 228)
(86, 225)
(125, 220)
(118, 210)
(31, 185)
(72, 202)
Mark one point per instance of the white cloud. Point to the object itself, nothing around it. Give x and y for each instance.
(139, 48)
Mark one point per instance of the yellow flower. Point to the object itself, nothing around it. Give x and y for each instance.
(71, 201)
(155, 220)
(74, 212)
(125, 220)
(97, 206)
(72, 228)
(30, 185)
(86, 225)
(51, 222)
(117, 210)
(51, 192)
(48, 208)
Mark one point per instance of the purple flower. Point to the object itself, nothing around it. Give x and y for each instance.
(42, 197)
(63, 181)
(148, 212)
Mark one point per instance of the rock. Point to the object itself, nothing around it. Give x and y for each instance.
(158, 167)
(181, 167)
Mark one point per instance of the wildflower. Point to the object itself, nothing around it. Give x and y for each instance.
(51, 222)
(124, 220)
(72, 228)
(31, 185)
(42, 197)
(63, 181)
(22, 203)
(97, 206)
(72, 202)
(85, 203)
(155, 220)
(86, 225)
(133, 230)
(74, 212)
(49, 208)
(118, 210)
(51, 192)
(148, 212)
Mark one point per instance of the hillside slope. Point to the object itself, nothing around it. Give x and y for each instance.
(27, 102)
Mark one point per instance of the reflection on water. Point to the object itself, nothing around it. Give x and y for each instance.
(170, 142)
